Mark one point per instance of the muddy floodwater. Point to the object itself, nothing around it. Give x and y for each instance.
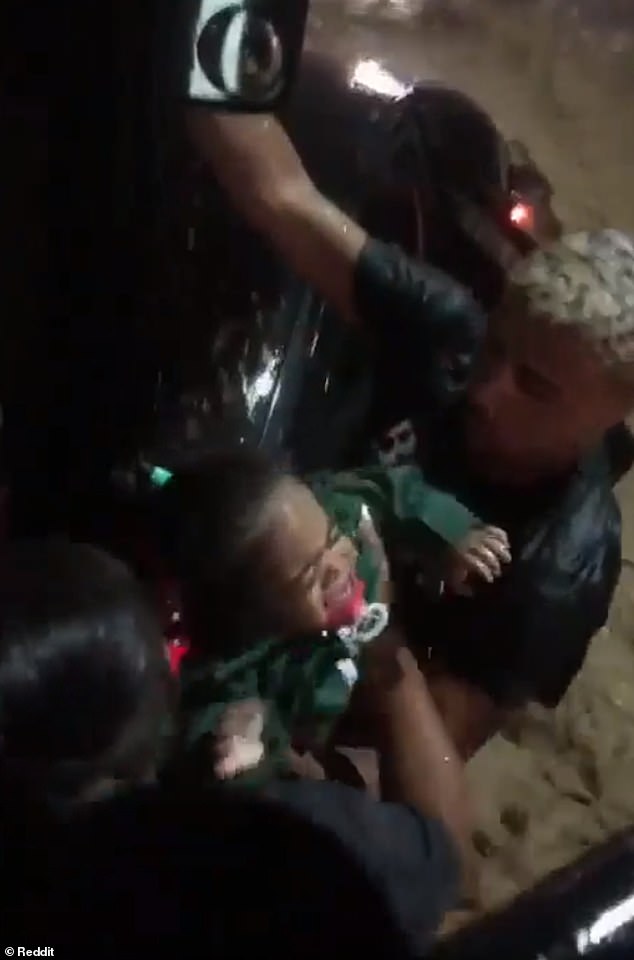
(558, 74)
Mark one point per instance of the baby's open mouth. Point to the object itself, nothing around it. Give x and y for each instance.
(343, 602)
(339, 592)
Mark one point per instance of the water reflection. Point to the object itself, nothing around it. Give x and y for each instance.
(373, 76)
(261, 386)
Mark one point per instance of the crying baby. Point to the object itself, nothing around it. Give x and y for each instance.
(284, 581)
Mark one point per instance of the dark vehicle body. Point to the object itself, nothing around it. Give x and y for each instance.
(584, 911)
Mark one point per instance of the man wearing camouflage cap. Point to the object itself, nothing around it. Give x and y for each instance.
(566, 368)
(530, 449)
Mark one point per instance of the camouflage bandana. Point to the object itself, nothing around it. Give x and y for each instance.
(586, 280)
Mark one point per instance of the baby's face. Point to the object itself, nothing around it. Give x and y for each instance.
(308, 566)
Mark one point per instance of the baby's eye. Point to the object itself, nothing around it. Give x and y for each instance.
(334, 536)
(309, 578)
(310, 574)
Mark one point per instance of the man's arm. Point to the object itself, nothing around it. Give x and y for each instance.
(427, 327)
(260, 170)
(419, 763)
(414, 843)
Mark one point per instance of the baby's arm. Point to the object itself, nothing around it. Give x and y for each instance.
(414, 517)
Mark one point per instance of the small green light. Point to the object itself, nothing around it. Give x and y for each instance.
(159, 476)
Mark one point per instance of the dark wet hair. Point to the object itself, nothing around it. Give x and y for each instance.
(211, 520)
(84, 682)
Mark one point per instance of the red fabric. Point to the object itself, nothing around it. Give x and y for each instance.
(176, 650)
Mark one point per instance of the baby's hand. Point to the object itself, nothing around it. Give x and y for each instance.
(238, 743)
(480, 555)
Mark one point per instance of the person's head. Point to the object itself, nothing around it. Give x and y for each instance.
(253, 548)
(559, 369)
(84, 681)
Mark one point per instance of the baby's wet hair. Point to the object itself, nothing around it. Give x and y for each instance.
(213, 517)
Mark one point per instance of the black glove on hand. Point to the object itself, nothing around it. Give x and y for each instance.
(428, 329)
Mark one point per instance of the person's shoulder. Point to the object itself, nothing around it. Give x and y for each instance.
(566, 562)
(356, 817)
(165, 866)
(584, 525)
(408, 858)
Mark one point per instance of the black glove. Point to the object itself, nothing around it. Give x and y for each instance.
(427, 328)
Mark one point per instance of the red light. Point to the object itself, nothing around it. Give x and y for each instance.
(521, 215)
